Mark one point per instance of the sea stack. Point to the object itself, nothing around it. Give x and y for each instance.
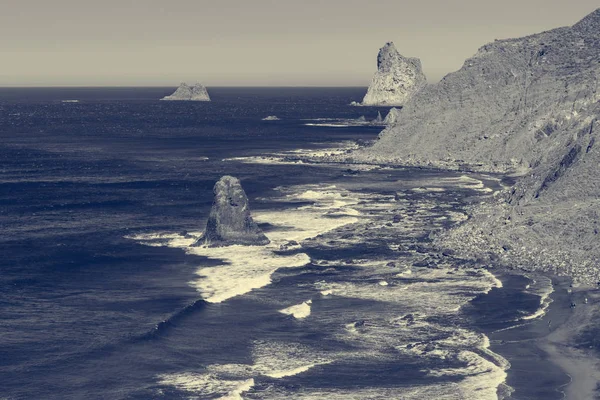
(397, 78)
(392, 116)
(184, 92)
(230, 221)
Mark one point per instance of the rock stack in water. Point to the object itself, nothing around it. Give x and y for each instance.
(392, 116)
(230, 221)
(397, 78)
(197, 92)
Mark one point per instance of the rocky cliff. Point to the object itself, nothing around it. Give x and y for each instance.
(529, 105)
(397, 78)
(230, 221)
(196, 92)
(508, 107)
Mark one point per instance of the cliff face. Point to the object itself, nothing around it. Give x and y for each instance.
(197, 92)
(397, 78)
(511, 105)
(531, 105)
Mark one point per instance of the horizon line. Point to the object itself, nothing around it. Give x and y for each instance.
(171, 86)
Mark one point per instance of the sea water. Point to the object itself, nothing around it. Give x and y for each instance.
(103, 296)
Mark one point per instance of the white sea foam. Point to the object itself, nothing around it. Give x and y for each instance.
(245, 268)
(463, 182)
(480, 382)
(295, 156)
(299, 311)
(429, 292)
(208, 384)
(481, 377)
(428, 189)
(275, 360)
(330, 125)
(541, 286)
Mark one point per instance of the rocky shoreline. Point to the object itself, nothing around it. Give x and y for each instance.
(476, 240)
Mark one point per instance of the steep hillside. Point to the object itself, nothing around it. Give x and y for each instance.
(529, 105)
(510, 107)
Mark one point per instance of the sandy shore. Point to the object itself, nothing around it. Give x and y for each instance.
(565, 348)
(551, 356)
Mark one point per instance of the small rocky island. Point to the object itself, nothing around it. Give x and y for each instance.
(230, 221)
(184, 92)
(397, 78)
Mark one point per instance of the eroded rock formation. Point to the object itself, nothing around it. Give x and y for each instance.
(397, 79)
(230, 221)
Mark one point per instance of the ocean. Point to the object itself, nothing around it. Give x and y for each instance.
(102, 296)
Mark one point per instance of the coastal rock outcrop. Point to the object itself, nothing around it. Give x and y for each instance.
(392, 116)
(184, 92)
(230, 221)
(397, 79)
(378, 120)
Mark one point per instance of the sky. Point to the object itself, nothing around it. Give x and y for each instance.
(253, 42)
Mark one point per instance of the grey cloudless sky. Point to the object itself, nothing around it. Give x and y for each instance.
(252, 42)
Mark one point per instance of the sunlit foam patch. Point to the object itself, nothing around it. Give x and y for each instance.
(481, 370)
(208, 385)
(468, 182)
(275, 360)
(298, 311)
(300, 224)
(166, 239)
(431, 291)
(280, 359)
(245, 268)
(366, 392)
(336, 201)
(330, 125)
(540, 286)
(428, 190)
(298, 156)
(481, 377)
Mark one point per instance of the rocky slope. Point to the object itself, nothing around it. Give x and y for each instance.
(529, 105)
(196, 92)
(230, 221)
(506, 108)
(397, 78)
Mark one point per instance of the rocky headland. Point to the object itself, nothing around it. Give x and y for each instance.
(527, 107)
(230, 222)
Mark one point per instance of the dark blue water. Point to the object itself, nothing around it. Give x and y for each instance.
(88, 313)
